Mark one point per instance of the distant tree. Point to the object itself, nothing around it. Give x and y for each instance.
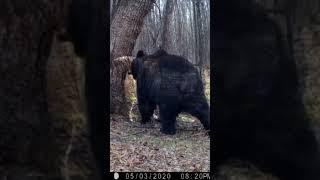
(179, 26)
(167, 27)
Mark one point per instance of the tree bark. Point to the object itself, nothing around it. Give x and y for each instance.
(26, 35)
(167, 18)
(125, 27)
(199, 35)
(118, 71)
(67, 111)
(42, 113)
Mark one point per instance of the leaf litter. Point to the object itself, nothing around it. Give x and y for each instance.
(137, 148)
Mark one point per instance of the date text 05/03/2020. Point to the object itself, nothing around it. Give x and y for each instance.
(167, 175)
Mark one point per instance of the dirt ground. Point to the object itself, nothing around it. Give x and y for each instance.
(137, 148)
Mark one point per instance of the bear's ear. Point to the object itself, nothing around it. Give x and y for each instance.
(140, 54)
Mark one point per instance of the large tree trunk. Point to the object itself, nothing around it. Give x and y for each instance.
(42, 116)
(125, 27)
(26, 35)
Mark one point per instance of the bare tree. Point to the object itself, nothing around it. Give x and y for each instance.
(167, 26)
(125, 27)
(184, 29)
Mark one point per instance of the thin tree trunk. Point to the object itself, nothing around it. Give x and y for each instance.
(199, 54)
(166, 31)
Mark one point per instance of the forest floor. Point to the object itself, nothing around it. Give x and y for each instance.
(137, 148)
(145, 149)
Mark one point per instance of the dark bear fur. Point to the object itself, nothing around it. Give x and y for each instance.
(172, 83)
(259, 113)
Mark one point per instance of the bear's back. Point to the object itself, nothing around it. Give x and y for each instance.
(172, 63)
